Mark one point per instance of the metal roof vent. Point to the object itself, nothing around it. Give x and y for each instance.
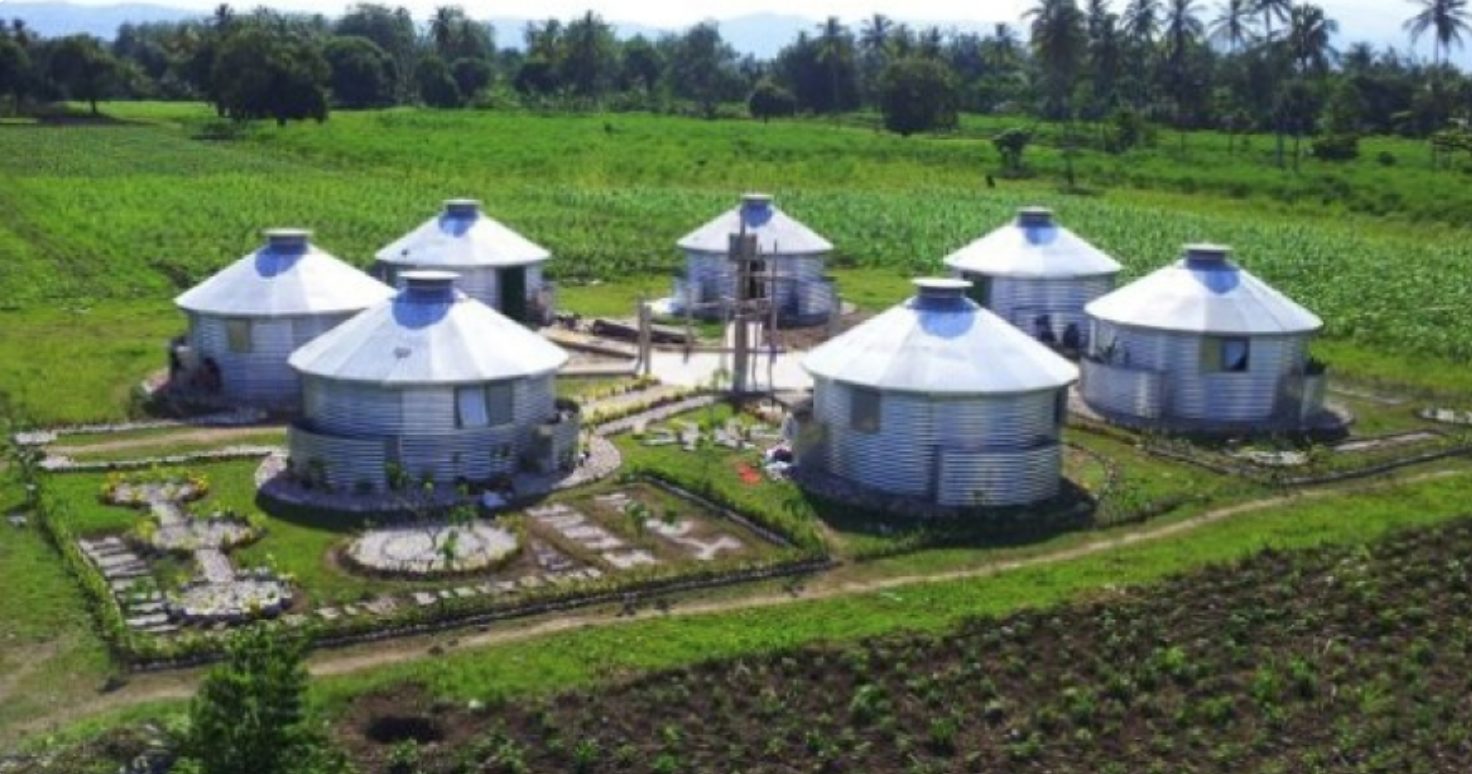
(756, 203)
(937, 293)
(288, 240)
(429, 287)
(462, 208)
(1207, 256)
(1034, 217)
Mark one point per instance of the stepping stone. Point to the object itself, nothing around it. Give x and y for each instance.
(381, 606)
(446, 594)
(559, 579)
(530, 581)
(143, 621)
(465, 591)
(293, 619)
(125, 573)
(424, 598)
(146, 608)
(486, 588)
(163, 628)
(351, 610)
(593, 573)
(506, 587)
(329, 613)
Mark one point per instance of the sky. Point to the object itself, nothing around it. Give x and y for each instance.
(1376, 20)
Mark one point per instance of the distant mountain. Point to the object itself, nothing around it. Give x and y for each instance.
(55, 19)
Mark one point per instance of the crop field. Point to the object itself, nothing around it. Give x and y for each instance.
(115, 220)
(1332, 659)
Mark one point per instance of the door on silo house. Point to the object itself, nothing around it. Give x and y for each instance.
(513, 292)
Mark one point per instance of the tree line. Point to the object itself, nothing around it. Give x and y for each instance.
(1242, 65)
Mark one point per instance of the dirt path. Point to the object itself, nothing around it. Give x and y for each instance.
(186, 435)
(180, 685)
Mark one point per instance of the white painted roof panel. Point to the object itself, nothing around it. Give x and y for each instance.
(427, 335)
(777, 233)
(460, 237)
(1033, 245)
(1204, 292)
(288, 277)
(941, 343)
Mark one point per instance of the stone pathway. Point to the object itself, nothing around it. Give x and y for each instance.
(132, 586)
(219, 594)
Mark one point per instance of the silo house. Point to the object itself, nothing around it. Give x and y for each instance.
(939, 400)
(1037, 275)
(497, 266)
(429, 385)
(1202, 345)
(788, 268)
(245, 321)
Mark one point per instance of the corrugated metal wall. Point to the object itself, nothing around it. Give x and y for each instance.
(416, 429)
(969, 478)
(1267, 391)
(260, 377)
(945, 449)
(805, 293)
(1021, 300)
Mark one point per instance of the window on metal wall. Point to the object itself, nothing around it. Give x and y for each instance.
(864, 410)
(489, 406)
(238, 336)
(1231, 354)
(470, 407)
(500, 403)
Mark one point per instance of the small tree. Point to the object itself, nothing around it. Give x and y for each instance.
(1010, 145)
(918, 94)
(471, 76)
(82, 65)
(362, 74)
(768, 101)
(248, 716)
(437, 86)
(260, 73)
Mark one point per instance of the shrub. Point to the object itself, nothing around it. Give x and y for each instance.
(1336, 147)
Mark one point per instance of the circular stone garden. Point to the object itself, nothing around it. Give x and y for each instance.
(429, 548)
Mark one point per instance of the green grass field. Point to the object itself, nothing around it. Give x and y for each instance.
(103, 225)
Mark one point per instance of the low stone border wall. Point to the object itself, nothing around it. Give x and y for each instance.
(68, 465)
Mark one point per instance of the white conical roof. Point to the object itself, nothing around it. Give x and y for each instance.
(461, 237)
(1033, 245)
(428, 333)
(288, 277)
(940, 342)
(776, 233)
(1204, 292)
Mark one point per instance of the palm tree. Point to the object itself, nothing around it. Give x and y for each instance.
(1445, 19)
(1309, 36)
(1270, 10)
(832, 50)
(443, 26)
(1059, 39)
(1182, 29)
(1233, 25)
(874, 35)
(1142, 20)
